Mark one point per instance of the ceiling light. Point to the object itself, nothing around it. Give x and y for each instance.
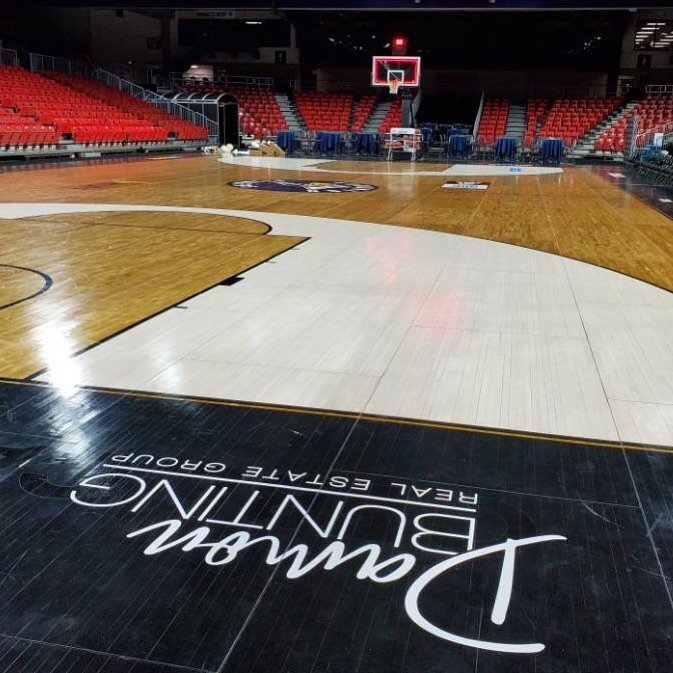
(253, 23)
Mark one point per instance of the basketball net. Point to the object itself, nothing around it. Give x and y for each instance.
(394, 85)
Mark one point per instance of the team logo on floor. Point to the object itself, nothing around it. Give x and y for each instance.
(453, 184)
(303, 186)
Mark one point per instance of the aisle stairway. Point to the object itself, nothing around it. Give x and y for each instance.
(373, 124)
(290, 113)
(516, 122)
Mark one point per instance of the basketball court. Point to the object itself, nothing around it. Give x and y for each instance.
(323, 415)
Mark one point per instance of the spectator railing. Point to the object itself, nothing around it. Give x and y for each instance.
(8, 56)
(40, 62)
(645, 138)
(477, 119)
(180, 79)
(659, 88)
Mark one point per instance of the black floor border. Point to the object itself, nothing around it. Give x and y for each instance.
(110, 655)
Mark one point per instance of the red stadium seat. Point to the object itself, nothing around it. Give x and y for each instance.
(653, 112)
(50, 107)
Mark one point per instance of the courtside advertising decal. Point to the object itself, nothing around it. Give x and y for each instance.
(224, 514)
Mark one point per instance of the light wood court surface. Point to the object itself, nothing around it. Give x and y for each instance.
(111, 270)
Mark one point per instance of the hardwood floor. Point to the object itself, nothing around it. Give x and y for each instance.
(111, 270)
(114, 269)
(577, 213)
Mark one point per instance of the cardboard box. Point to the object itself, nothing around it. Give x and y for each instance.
(271, 150)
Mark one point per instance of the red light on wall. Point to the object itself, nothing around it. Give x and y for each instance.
(399, 46)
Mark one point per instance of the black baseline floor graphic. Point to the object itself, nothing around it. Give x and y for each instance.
(146, 535)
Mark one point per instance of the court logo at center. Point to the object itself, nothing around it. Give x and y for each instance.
(312, 186)
(453, 184)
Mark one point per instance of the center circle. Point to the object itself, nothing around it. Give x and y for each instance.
(306, 186)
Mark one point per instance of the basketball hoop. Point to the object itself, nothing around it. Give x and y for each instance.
(394, 85)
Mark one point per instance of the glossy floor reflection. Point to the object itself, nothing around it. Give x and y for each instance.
(156, 535)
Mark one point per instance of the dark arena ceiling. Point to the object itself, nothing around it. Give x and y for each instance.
(562, 39)
(376, 5)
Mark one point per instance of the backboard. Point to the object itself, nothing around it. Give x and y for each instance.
(393, 71)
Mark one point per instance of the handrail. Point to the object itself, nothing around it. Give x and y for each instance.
(659, 88)
(180, 79)
(125, 86)
(8, 56)
(477, 119)
(645, 137)
(416, 103)
(38, 62)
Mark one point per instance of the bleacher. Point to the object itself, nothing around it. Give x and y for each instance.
(42, 110)
(259, 112)
(493, 120)
(261, 115)
(324, 111)
(258, 109)
(536, 111)
(144, 121)
(363, 110)
(652, 111)
(393, 117)
(572, 118)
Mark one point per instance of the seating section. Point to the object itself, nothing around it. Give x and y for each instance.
(363, 110)
(22, 129)
(38, 110)
(572, 118)
(141, 120)
(652, 111)
(536, 111)
(259, 112)
(261, 115)
(393, 118)
(493, 120)
(258, 109)
(324, 111)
